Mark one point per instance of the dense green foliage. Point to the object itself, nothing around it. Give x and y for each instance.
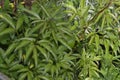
(61, 40)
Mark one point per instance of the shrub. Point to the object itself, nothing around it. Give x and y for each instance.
(60, 40)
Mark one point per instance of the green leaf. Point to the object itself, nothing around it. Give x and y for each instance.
(65, 44)
(43, 51)
(29, 75)
(43, 77)
(29, 52)
(36, 28)
(46, 12)
(10, 49)
(31, 13)
(22, 76)
(91, 40)
(7, 31)
(35, 56)
(22, 44)
(97, 41)
(46, 46)
(23, 70)
(82, 4)
(19, 22)
(70, 6)
(16, 67)
(8, 19)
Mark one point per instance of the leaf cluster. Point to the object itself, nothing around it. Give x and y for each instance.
(61, 40)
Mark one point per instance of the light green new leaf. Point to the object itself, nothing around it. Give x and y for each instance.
(114, 17)
(82, 3)
(91, 40)
(97, 41)
(71, 7)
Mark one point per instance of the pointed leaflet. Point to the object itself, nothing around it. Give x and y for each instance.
(54, 36)
(43, 77)
(29, 52)
(98, 18)
(29, 75)
(22, 76)
(16, 67)
(103, 22)
(31, 13)
(35, 56)
(91, 40)
(23, 70)
(70, 6)
(10, 49)
(19, 22)
(22, 44)
(42, 50)
(65, 44)
(43, 8)
(36, 28)
(82, 3)
(114, 17)
(6, 31)
(97, 41)
(8, 19)
(106, 44)
(48, 47)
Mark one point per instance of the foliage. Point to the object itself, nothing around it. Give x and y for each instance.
(61, 40)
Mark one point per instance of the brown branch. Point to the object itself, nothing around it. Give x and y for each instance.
(15, 6)
(2, 3)
(102, 10)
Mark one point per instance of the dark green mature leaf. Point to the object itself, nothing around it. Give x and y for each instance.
(8, 19)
